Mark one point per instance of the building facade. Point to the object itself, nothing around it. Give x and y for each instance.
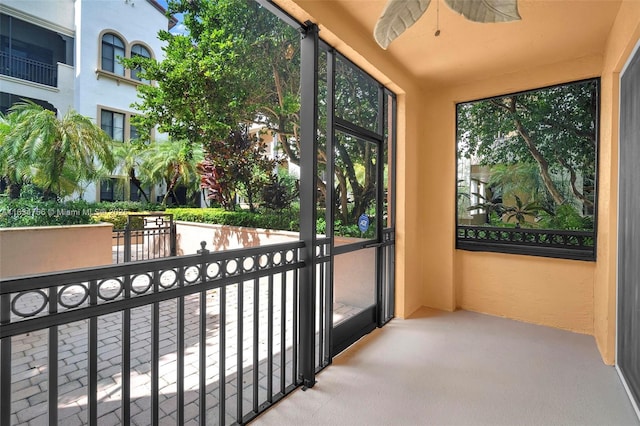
(64, 54)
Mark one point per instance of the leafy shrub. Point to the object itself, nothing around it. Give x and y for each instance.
(127, 206)
(32, 211)
(280, 192)
(567, 217)
(29, 212)
(283, 220)
(118, 219)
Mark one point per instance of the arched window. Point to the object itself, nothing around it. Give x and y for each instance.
(139, 50)
(112, 48)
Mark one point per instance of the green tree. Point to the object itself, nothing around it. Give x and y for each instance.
(61, 153)
(173, 163)
(553, 128)
(240, 164)
(237, 64)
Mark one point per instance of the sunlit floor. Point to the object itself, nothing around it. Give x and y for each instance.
(462, 368)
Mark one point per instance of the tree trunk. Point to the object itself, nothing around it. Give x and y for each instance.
(137, 183)
(170, 188)
(543, 164)
(14, 190)
(572, 178)
(344, 202)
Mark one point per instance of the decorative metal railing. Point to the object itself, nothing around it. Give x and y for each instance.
(211, 338)
(579, 245)
(145, 236)
(28, 69)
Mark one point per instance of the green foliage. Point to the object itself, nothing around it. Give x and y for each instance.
(542, 143)
(127, 206)
(129, 157)
(567, 217)
(521, 211)
(119, 219)
(55, 154)
(280, 192)
(342, 230)
(28, 212)
(283, 220)
(173, 162)
(237, 164)
(221, 73)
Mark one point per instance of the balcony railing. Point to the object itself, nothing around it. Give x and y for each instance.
(28, 69)
(211, 337)
(577, 245)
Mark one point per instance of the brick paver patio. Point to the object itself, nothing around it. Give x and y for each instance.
(29, 360)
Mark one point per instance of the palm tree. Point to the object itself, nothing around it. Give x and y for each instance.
(61, 153)
(173, 162)
(13, 167)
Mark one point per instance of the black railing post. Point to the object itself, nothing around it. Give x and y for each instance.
(308, 195)
(173, 238)
(202, 337)
(127, 240)
(5, 362)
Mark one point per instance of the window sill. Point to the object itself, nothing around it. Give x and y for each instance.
(118, 78)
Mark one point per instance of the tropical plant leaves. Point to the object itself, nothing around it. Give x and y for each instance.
(397, 16)
(486, 11)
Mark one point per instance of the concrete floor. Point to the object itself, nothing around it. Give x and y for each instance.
(462, 368)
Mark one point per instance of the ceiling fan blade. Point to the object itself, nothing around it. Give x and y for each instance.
(397, 16)
(486, 10)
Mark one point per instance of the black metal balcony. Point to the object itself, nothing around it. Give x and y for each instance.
(28, 69)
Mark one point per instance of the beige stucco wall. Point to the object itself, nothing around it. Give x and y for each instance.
(493, 283)
(26, 251)
(552, 292)
(223, 237)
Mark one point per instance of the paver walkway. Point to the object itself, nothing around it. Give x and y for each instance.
(29, 360)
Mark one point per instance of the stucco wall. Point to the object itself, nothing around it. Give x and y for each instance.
(223, 237)
(552, 292)
(493, 283)
(26, 251)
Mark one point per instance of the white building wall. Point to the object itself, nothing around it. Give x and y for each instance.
(135, 21)
(80, 86)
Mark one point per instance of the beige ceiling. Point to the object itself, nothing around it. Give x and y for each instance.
(550, 31)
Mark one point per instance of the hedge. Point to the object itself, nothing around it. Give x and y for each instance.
(286, 220)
